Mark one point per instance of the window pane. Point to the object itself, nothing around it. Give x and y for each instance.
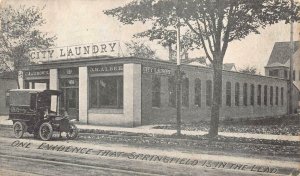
(120, 92)
(228, 94)
(208, 92)
(245, 94)
(156, 91)
(281, 97)
(94, 93)
(172, 91)
(252, 94)
(106, 92)
(185, 92)
(265, 95)
(294, 75)
(276, 100)
(259, 95)
(198, 92)
(271, 95)
(237, 94)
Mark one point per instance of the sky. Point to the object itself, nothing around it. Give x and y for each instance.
(76, 22)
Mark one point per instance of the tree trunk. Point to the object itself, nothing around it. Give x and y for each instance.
(217, 95)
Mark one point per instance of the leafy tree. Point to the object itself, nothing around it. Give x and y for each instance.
(167, 38)
(249, 70)
(214, 23)
(141, 50)
(19, 33)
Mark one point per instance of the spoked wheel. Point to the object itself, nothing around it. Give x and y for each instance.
(73, 133)
(19, 129)
(45, 131)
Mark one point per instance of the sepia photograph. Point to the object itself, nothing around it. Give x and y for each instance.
(149, 87)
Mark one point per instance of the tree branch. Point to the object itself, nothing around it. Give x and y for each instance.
(207, 35)
(201, 38)
(228, 29)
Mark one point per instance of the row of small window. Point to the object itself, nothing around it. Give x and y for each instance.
(156, 92)
(252, 96)
(275, 73)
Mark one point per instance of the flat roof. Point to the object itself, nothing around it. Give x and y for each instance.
(36, 91)
(107, 60)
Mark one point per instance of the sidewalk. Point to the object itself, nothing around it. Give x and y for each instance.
(149, 130)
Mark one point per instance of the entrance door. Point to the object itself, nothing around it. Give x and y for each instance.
(70, 102)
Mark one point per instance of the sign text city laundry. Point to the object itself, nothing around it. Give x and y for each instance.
(70, 52)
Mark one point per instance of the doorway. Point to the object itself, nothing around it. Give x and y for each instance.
(70, 97)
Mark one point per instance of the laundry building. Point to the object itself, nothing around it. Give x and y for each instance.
(129, 91)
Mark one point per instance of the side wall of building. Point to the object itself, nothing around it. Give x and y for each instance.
(246, 107)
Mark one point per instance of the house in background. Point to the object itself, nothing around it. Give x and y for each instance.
(279, 62)
(202, 61)
(229, 67)
(7, 81)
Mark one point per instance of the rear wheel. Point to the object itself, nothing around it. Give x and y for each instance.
(19, 129)
(46, 131)
(73, 132)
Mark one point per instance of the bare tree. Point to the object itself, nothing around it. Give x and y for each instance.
(249, 70)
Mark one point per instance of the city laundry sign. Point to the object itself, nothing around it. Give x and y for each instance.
(78, 51)
(156, 70)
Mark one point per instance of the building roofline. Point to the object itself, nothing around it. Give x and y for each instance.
(106, 59)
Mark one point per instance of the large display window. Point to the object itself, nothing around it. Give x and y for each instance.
(106, 92)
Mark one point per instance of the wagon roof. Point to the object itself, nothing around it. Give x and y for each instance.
(37, 91)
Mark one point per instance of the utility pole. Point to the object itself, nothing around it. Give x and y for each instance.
(290, 110)
(178, 82)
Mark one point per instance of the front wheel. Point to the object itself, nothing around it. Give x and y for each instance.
(73, 132)
(19, 129)
(46, 131)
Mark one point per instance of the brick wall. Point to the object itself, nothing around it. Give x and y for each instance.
(165, 113)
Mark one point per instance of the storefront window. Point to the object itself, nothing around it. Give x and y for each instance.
(106, 92)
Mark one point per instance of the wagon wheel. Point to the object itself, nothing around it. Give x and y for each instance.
(45, 131)
(73, 133)
(19, 129)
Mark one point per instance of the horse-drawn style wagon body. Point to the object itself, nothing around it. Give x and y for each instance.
(37, 112)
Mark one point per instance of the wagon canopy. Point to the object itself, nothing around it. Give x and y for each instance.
(22, 96)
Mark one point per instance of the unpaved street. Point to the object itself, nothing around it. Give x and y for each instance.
(29, 156)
